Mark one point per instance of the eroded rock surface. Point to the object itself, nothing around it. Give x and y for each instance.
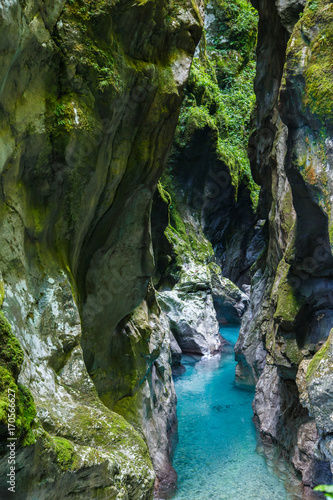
(190, 309)
(90, 95)
(290, 313)
(197, 305)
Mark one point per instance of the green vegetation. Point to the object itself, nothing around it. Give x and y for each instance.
(65, 453)
(219, 99)
(11, 359)
(288, 303)
(325, 488)
(67, 113)
(98, 61)
(315, 30)
(219, 95)
(2, 291)
(292, 351)
(319, 72)
(188, 243)
(323, 353)
(11, 352)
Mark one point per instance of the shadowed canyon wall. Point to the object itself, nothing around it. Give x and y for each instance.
(284, 344)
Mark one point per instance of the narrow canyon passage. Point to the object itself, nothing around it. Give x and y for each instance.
(166, 168)
(216, 455)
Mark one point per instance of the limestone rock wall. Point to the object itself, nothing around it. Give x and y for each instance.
(90, 94)
(190, 309)
(290, 315)
(142, 388)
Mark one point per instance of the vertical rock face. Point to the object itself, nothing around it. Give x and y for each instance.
(141, 384)
(290, 315)
(90, 94)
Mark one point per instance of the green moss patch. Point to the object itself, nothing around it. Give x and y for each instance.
(314, 32)
(324, 353)
(11, 359)
(188, 243)
(288, 302)
(292, 351)
(11, 354)
(2, 292)
(99, 61)
(65, 453)
(319, 72)
(68, 113)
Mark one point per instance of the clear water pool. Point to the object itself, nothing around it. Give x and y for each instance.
(216, 457)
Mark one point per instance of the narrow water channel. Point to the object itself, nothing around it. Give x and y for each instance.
(216, 456)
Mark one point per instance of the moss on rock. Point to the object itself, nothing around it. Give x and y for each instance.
(189, 243)
(292, 351)
(288, 302)
(319, 71)
(311, 46)
(219, 95)
(323, 354)
(11, 359)
(11, 352)
(2, 291)
(65, 453)
(99, 61)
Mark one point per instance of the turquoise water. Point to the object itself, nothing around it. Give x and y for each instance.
(216, 457)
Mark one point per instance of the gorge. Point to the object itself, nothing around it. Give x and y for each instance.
(213, 413)
(165, 170)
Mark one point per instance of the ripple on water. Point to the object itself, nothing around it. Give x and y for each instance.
(216, 456)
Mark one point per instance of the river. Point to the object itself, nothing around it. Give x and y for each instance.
(216, 457)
